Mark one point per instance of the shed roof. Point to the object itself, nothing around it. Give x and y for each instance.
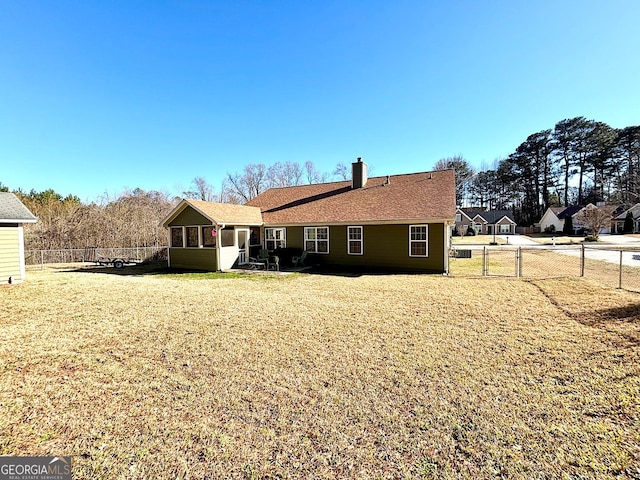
(12, 210)
(396, 198)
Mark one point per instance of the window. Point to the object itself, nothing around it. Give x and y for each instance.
(354, 241)
(176, 237)
(275, 238)
(192, 237)
(316, 239)
(505, 228)
(418, 241)
(458, 217)
(208, 238)
(227, 237)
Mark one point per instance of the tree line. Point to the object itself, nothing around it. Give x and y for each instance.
(577, 162)
(132, 218)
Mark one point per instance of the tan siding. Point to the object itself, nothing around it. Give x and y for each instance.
(9, 254)
(193, 258)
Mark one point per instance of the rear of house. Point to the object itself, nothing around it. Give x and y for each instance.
(13, 214)
(398, 222)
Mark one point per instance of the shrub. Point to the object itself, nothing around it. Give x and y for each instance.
(550, 229)
(470, 231)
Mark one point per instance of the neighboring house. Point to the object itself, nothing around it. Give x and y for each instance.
(556, 217)
(13, 214)
(398, 222)
(618, 220)
(483, 222)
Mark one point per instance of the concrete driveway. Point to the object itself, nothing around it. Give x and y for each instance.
(593, 253)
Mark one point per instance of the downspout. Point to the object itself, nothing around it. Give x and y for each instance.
(219, 228)
(447, 246)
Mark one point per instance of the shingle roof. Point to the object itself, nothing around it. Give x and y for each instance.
(220, 212)
(417, 196)
(12, 210)
(491, 216)
(569, 211)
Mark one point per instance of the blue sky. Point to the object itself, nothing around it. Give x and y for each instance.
(99, 96)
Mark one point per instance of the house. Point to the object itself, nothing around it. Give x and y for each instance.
(398, 222)
(13, 214)
(483, 222)
(553, 220)
(619, 220)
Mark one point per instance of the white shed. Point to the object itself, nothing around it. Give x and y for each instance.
(13, 214)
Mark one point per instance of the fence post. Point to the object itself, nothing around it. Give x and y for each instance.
(620, 275)
(519, 264)
(484, 261)
(582, 262)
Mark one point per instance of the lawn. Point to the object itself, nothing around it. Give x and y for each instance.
(477, 240)
(321, 376)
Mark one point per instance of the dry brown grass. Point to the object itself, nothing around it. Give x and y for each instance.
(476, 240)
(309, 376)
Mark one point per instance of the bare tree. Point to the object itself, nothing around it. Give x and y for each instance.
(201, 190)
(285, 174)
(312, 175)
(342, 171)
(595, 219)
(248, 184)
(464, 173)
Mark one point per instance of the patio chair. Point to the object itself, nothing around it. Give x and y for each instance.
(299, 260)
(262, 258)
(274, 263)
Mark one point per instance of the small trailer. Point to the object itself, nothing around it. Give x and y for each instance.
(117, 262)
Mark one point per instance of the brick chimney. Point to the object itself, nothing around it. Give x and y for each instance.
(358, 174)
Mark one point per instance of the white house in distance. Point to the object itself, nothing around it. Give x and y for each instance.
(13, 214)
(556, 216)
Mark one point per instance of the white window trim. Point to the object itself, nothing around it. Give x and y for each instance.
(306, 239)
(283, 240)
(361, 240)
(425, 241)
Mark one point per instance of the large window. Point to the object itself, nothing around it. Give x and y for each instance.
(505, 228)
(176, 237)
(418, 241)
(354, 241)
(208, 237)
(227, 237)
(316, 239)
(275, 238)
(192, 237)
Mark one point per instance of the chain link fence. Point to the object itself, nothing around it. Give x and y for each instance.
(92, 254)
(615, 266)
